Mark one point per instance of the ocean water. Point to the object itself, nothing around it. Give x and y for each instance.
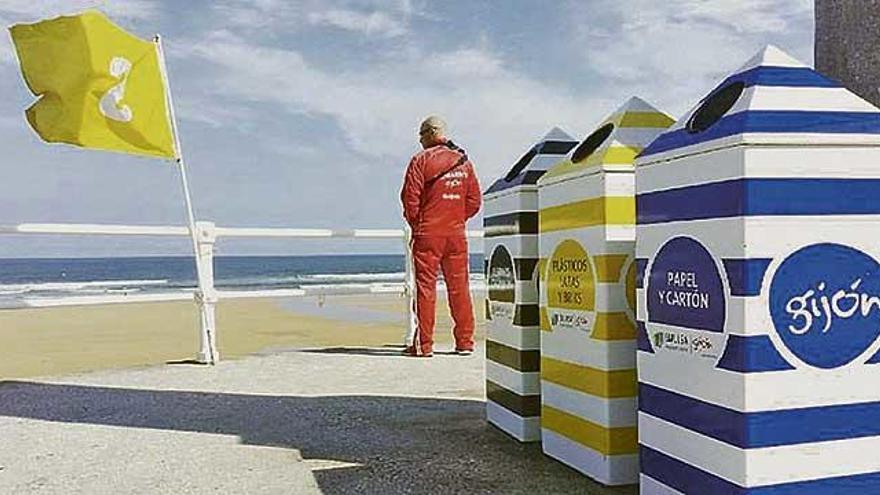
(34, 278)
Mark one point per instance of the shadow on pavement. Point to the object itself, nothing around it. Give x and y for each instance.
(398, 444)
(194, 362)
(357, 351)
(384, 351)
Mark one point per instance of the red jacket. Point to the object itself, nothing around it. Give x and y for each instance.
(440, 206)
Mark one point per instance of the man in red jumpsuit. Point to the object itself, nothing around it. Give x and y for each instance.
(440, 193)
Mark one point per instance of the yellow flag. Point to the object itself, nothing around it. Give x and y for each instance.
(98, 86)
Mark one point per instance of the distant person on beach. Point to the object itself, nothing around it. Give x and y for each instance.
(440, 193)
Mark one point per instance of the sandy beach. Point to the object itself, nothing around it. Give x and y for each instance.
(60, 341)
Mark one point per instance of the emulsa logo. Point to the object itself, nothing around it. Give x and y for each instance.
(825, 304)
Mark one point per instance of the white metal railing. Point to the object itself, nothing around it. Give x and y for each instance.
(206, 295)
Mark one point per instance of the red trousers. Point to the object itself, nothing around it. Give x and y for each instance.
(449, 254)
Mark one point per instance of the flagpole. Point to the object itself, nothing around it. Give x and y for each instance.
(206, 298)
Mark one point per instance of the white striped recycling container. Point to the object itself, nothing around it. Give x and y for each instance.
(759, 289)
(511, 255)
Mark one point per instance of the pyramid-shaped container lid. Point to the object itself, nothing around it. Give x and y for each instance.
(532, 165)
(615, 143)
(772, 99)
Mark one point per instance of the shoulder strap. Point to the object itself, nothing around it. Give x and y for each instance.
(458, 163)
(430, 182)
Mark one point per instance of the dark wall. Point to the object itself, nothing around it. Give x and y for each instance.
(847, 46)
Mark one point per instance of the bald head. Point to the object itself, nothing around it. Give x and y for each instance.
(432, 131)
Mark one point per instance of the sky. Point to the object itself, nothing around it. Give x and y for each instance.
(304, 113)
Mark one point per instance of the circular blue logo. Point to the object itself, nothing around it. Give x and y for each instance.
(685, 288)
(825, 304)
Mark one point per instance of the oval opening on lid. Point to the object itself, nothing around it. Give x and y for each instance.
(714, 107)
(592, 143)
(521, 164)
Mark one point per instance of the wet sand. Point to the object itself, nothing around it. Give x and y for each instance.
(59, 341)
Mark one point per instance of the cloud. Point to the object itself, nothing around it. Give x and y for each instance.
(7, 52)
(468, 62)
(746, 16)
(674, 51)
(670, 53)
(14, 11)
(258, 14)
(10, 122)
(373, 23)
(30, 10)
(385, 18)
(494, 111)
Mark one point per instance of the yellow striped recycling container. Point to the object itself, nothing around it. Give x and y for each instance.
(586, 238)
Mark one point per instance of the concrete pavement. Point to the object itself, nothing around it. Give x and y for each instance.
(332, 420)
